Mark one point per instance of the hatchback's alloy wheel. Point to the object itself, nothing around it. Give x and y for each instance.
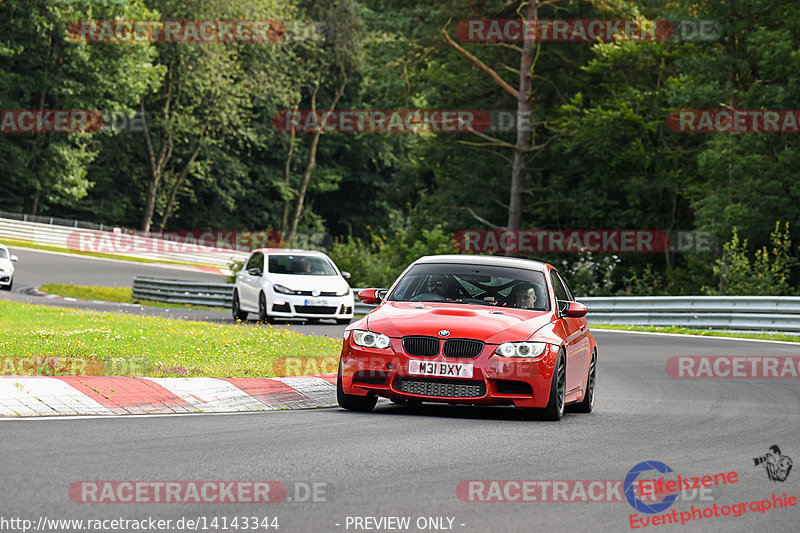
(262, 308)
(236, 309)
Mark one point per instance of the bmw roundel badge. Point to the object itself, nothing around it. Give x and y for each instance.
(444, 333)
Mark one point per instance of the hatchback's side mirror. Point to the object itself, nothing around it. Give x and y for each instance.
(345, 274)
(576, 310)
(14, 258)
(255, 272)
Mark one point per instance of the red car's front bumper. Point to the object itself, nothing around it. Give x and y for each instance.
(523, 382)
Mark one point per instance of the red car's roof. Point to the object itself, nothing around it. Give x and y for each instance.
(490, 260)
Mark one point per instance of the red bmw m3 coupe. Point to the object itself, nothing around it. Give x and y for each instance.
(474, 330)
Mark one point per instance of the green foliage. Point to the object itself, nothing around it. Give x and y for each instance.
(766, 273)
(235, 266)
(380, 260)
(602, 156)
(43, 68)
(591, 274)
(646, 283)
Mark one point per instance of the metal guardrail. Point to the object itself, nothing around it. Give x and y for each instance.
(58, 221)
(183, 292)
(198, 293)
(361, 308)
(741, 313)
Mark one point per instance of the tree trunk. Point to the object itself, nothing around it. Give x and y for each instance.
(173, 192)
(523, 143)
(312, 156)
(287, 178)
(518, 166)
(34, 202)
(157, 163)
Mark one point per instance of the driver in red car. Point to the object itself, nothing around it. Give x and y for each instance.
(523, 295)
(439, 284)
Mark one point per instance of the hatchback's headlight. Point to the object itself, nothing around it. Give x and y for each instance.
(283, 290)
(343, 292)
(521, 349)
(370, 339)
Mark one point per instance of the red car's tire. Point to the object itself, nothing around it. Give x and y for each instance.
(351, 401)
(587, 404)
(558, 389)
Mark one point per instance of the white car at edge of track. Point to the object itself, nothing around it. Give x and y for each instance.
(278, 283)
(7, 261)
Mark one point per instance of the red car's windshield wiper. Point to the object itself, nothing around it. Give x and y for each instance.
(471, 301)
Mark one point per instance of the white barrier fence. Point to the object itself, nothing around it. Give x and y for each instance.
(149, 248)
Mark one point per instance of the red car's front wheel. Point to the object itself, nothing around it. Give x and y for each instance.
(558, 391)
(351, 401)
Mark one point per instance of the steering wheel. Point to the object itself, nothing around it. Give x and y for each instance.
(427, 297)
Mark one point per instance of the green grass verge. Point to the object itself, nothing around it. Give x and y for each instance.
(703, 332)
(56, 341)
(113, 294)
(84, 292)
(27, 244)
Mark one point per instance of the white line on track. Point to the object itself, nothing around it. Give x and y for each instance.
(685, 335)
(187, 268)
(159, 415)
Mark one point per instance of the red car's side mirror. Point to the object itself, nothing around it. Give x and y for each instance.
(576, 310)
(369, 296)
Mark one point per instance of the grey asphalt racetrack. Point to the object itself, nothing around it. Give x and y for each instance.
(400, 461)
(37, 267)
(405, 462)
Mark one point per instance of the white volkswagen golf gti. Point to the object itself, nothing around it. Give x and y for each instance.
(7, 261)
(280, 283)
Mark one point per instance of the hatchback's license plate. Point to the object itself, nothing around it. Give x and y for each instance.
(445, 370)
(321, 303)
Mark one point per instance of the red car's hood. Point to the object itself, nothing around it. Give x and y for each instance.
(490, 324)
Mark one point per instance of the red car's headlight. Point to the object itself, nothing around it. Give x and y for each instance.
(370, 339)
(521, 349)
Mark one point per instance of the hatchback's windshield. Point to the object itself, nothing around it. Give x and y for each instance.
(483, 285)
(307, 265)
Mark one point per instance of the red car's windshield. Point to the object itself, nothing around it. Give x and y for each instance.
(481, 285)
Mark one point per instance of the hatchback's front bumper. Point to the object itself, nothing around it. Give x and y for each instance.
(294, 306)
